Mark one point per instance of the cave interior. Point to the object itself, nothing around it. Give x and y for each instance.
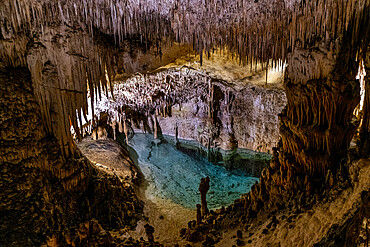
(184, 123)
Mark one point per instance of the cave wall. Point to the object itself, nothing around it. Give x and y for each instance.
(318, 123)
(43, 196)
(195, 106)
(247, 118)
(62, 56)
(320, 40)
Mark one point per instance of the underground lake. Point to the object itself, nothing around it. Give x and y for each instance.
(175, 175)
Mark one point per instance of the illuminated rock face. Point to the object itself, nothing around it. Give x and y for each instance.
(194, 106)
(365, 129)
(69, 46)
(316, 125)
(245, 118)
(67, 64)
(43, 196)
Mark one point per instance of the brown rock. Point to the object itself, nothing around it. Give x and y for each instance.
(199, 214)
(149, 230)
(203, 189)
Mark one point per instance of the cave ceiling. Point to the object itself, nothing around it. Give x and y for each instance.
(73, 46)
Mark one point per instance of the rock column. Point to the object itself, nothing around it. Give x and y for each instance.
(199, 214)
(203, 189)
(316, 125)
(125, 129)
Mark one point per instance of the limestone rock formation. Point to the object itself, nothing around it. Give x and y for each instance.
(149, 232)
(243, 116)
(203, 189)
(364, 145)
(75, 48)
(199, 214)
(45, 198)
(255, 31)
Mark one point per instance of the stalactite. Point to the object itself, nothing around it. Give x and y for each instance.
(253, 31)
(365, 127)
(255, 20)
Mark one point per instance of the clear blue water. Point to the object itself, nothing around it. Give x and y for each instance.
(174, 175)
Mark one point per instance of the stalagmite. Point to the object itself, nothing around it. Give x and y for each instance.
(199, 214)
(157, 129)
(125, 129)
(203, 189)
(149, 230)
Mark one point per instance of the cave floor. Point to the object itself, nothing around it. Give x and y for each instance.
(170, 190)
(168, 217)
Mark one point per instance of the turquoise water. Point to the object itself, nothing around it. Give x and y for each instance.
(174, 175)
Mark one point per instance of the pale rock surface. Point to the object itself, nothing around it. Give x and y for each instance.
(311, 226)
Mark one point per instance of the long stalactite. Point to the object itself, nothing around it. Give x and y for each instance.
(33, 33)
(75, 48)
(365, 127)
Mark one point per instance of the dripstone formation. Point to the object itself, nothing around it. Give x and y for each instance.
(68, 51)
(45, 198)
(203, 189)
(196, 106)
(255, 31)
